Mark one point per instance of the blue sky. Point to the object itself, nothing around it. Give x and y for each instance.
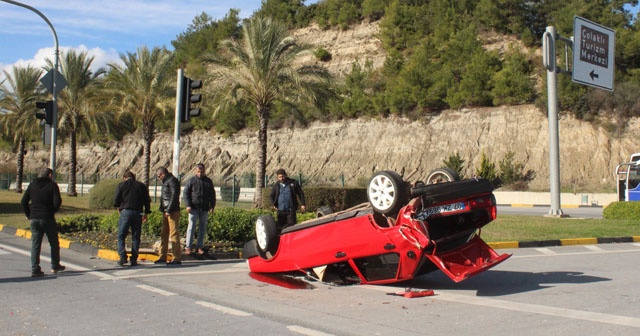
(104, 28)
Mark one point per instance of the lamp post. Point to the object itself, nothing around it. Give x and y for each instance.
(54, 90)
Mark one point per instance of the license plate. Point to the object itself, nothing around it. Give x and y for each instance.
(440, 209)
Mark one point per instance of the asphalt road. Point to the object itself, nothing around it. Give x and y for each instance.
(571, 290)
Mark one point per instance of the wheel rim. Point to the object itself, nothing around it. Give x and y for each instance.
(261, 234)
(381, 192)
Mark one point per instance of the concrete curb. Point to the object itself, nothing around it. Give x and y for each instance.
(104, 253)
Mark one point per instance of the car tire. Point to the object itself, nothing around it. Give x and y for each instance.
(266, 233)
(440, 192)
(387, 192)
(441, 175)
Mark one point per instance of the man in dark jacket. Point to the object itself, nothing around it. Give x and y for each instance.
(200, 200)
(285, 196)
(44, 196)
(133, 204)
(170, 208)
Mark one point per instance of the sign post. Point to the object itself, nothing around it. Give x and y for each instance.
(593, 54)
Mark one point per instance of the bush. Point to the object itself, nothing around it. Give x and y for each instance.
(102, 195)
(336, 198)
(233, 225)
(322, 54)
(80, 223)
(622, 210)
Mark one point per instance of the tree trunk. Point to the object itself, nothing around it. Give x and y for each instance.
(73, 165)
(261, 168)
(20, 164)
(147, 134)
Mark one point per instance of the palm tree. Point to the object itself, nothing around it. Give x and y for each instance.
(19, 105)
(143, 88)
(259, 70)
(74, 109)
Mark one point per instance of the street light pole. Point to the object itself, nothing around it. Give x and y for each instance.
(54, 91)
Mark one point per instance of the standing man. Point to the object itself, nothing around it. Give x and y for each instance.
(170, 208)
(285, 196)
(131, 197)
(200, 199)
(44, 195)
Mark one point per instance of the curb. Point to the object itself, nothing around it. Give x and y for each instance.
(104, 253)
(113, 255)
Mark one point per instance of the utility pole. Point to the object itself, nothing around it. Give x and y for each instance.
(54, 89)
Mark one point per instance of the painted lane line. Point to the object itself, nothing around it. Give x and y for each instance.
(164, 274)
(223, 309)
(602, 251)
(543, 310)
(156, 290)
(594, 248)
(307, 331)
(546, 251)
(70, 266)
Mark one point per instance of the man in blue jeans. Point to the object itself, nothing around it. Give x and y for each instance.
(40, 203)
(133, 203)
(200, 199)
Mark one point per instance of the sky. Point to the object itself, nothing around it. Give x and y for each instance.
(105, 28)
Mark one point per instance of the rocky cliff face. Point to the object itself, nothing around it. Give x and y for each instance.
(324, 152)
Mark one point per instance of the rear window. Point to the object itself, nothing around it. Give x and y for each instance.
(379, 267)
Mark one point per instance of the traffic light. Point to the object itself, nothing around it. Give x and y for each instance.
(190, 98)
(47, 115)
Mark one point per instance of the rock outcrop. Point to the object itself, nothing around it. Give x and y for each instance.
(326, 153)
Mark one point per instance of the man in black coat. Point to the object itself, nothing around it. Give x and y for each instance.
(133, 203)
(170, 208)
(285, 196)
(200, 201)
(40, 203)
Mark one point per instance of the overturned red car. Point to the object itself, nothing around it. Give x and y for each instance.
(402, 232)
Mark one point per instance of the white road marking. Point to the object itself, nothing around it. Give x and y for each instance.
(529, 308)
(601, 251)
(307, 331)
(546, 251)
(164, 274)
(594, 248)
(223, 309)
(70, 266)
(156, 290)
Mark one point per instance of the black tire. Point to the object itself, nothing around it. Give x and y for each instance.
(440, 192)
(387, 192)
(266, 233)
(441, 175)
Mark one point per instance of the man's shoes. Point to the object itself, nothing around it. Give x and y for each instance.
(160, 261)
(37, 274)
(134, 263)
(58, 268)
(200, 251)
(187, 250)
(121, 263)
(174, 262)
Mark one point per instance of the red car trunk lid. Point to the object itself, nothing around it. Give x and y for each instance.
(468, 260)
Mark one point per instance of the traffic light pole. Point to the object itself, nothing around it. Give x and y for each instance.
(176, 133)
(54, 91)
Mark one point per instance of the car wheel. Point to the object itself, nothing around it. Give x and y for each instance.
(442, 175)
(266, 234)
(387, 192)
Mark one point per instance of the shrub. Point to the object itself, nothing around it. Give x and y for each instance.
(109, 223)
(102, 195)
(322, 54)
(78, 223)
(622, 210)
(233, 224)
(336, 198)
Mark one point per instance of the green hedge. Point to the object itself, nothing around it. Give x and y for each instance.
(622, 210)
(102, 195)
(336, 198)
